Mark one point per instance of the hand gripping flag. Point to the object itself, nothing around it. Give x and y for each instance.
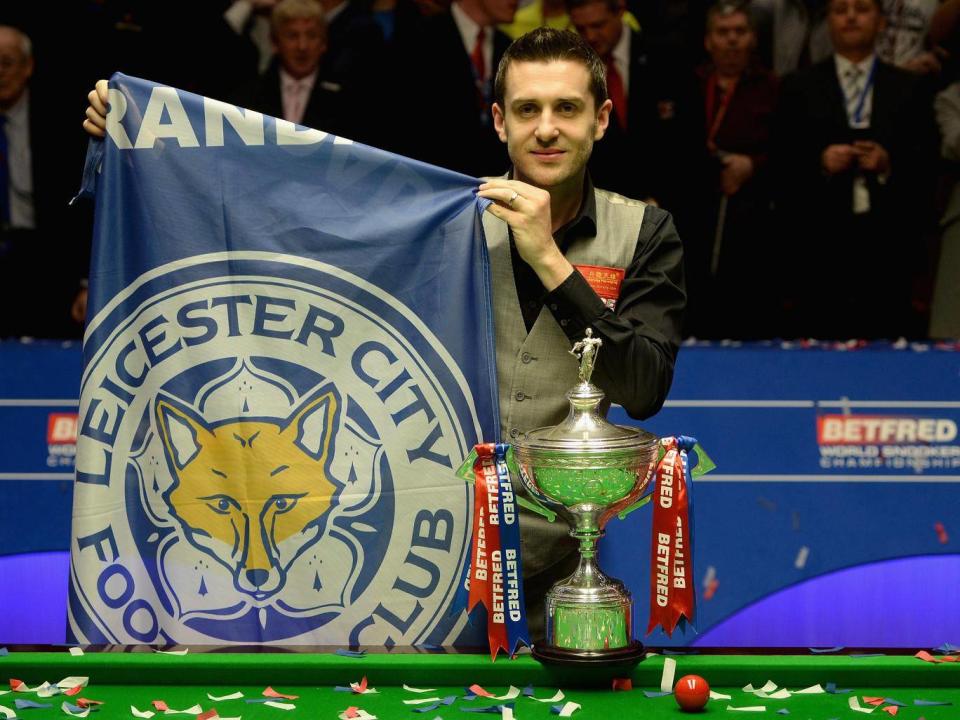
(289, 352)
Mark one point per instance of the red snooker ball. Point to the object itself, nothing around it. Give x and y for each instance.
(691, 693)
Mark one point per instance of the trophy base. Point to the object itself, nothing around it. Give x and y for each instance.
(624, 658)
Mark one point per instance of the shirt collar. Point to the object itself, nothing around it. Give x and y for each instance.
(584, 223)
(621, 51)
(844, 65)
(288, 82)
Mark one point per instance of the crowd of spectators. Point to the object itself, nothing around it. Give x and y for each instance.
(807, 149)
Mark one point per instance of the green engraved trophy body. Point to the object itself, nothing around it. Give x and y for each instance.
(587, 470)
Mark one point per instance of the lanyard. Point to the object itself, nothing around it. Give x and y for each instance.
(715, 115)
(858, 110)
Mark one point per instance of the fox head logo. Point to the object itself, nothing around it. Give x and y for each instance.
(253, 494)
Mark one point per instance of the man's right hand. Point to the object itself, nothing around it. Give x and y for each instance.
(96, 122)
(838, 158)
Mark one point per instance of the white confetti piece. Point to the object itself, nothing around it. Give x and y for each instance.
(76, 652)
(280, 705)
(66, 708)
(418, 690)
(232, 696)
(812, 690)
(68, 683)
(195, 710)
(512, 692)
(7, 712)
(47, 690)
(361, 715)
(555, 699)
(801, 560)
(173, 652)
(506, 713)
(141, 713)
(768, 687)
(748, 708)
(669, 670)
(854, 704)
(421, 701)
(781, 694)
(718, 696)
(569, 709)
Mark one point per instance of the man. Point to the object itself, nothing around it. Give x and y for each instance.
(41, 249)
(552, 237)
(655, 117)
(739, 97)
(448, 68)
(293, 87)
(855, 140)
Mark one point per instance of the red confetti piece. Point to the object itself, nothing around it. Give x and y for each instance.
(270, 692)
(211, 713)
(16, 684)
(361, 686)
(351, 712)
(927, 657)
(622, 684)
(950, 658)
(477, 690)
(711, 589)
(891, 709)
(941, 533)
(873, 700)
(87, 702)
(73, 690)
(160, 705)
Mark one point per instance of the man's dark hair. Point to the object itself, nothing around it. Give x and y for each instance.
(547, 45)
(613, 6)
(877, 3)
(724, 8)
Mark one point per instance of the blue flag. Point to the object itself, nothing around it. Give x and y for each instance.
(289, 353)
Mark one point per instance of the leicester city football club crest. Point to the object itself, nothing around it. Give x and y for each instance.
(266, 454)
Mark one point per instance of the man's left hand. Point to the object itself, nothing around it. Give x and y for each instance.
(526, 209)
(872, 157)
(737, 169)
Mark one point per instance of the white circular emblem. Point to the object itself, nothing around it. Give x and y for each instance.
(267, 452)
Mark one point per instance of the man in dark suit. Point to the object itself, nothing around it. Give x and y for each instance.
(448, 70)
(855, 143)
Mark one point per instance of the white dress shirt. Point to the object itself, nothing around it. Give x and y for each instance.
(468, 33)
(295, 94)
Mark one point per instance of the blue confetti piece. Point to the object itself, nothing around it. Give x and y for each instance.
(656, 693)
(834, 690)
(4, 651)
(343, 652)
(892, 701)
(448, 700)
(930, 703)
(498, 709)
(30, 704)
(261, 700)
(528, 691)
(783, 712)
(556, 709)
(427, 708)
(947, 648)
(73, 708)
(820, 651)
(341, 688)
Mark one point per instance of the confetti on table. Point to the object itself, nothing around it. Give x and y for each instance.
(748, 708)
(834, 690)
(854, 704)
(769, 686)
(74, 710)
(418, 690)
(69, 683)
(4, 652)
(141, 713)
(479, 691)
(493, 709)
(783, 711)
(812, 690)
(718, 696)
(656, 693)
(506, 712)
(947, 648)
(21, 686)
(357, 714)
(173, 652)
(669, 670)
(194, 710)
(557, 697)
(47, 690)
(7, 712)
(428, 708)
(76, 651)
(159, 705)
(820, 651)
(280, 705)
(623, 684)
(528, 691)
(801, 560)
(271, 693)
(923, 655)
(31, 705)
(232, 696)
(208, 715)
(343, 652)
(261, 700)
(351, 712)
(421, 701)
(893, 701)
(781, 694)
(565, 710)
(870, 700)
(931, 703)
(511, 693)
(941, 531)
(891, 709)
(88, 702)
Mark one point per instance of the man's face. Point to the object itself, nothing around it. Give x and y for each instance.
(600, 26)
(854, 25)
(730, 41)
(500, 12)
(15, 68)
(549, 121)
(300, 44)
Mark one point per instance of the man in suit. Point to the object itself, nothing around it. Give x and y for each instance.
(449, 68)
(855, 142)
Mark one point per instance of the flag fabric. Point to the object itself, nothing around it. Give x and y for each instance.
(289, 353)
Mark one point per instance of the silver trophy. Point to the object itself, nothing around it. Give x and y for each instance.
(587, 470)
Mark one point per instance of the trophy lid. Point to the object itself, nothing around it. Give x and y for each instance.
(585, 430)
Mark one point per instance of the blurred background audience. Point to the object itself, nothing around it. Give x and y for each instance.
(794, 141)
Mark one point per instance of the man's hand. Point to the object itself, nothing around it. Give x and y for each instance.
(838, 158)
(872, 157)
(526, 209)
(96, 122)
(737, 169)
(78, 310)
(925, 63)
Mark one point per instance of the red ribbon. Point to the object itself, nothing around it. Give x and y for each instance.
(671, 562)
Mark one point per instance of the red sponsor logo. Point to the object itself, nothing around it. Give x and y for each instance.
(62, 429)
(883, 430)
